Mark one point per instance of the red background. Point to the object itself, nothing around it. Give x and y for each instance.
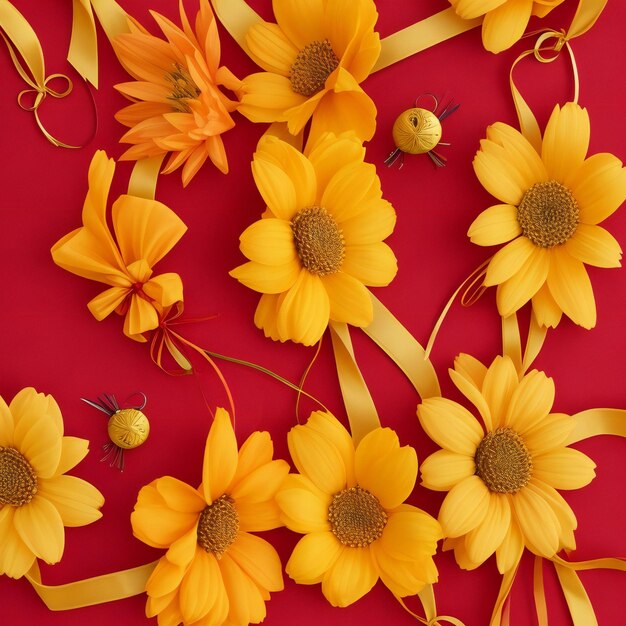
(50, 341)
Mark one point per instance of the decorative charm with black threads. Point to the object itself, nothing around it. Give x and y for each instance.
(418, 131)
(128, 428)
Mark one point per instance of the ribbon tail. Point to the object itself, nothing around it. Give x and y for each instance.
(404, 350)
(91, 591)
(497, 617)
(587, 13)
(143, 178)
(528, 124)
(594, 422)
(580, 607)
(539, 593)
(360, 407)
(83, 51)
(534, 342)
(511, 341)
(237, 17)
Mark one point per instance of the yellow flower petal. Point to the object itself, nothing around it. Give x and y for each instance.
(266, 97)
(509, 552)
(245, 602)
(562, 510)
(545, 308)
(106, 302)
(29, 406)
(571, 289)
(482, 542)
(179, 496)
(465, 507)
(495, 225)
(269, 242)
(7, 425)
(531, 402)
(595, 246)
(220, 457)
(259, 560)
(255, 451)
(469, 9)
(312, 557)
(318, 459)
(450, 425)
(297, 116)
(266, 314)
(166, 289)
(15, 557)
(599, 186)
(515, 292)
(374, 264)
(352, 575)
(565, 141)
(199, 587)
(301, 20)
(261, 484)
(297, 167)
(346, 21)
(76, 500)
(40, 527)
(509, 260)
(389, 475)
(334, 431)
(328, 151)
(39, 441)
(350, 301)
(165, 578)
(347, 108)
(549, 433)
(411, 535)
(564, 468)
(267, 279)
(183, 550)
(537, 521)
(141, 317)
(373, 223)
(304, 312)
(505, 24)
(496, 175)
(270, 48)
(145, 229)
(444, 469)
(471, 369)
(473, 394)
(500, 382)
(345, 191)
(258, 516)
(276, 187)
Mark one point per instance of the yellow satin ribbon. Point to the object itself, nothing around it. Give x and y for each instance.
(586, 15)
(238, 17)
(512, 342)
(594, 422)
(90, 591)
(499, 616)
(143, 178)
(427, 598)
(23, 43)
(83, 50)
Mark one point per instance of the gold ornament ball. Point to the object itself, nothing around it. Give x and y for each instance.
(416, 131)
(128, 428)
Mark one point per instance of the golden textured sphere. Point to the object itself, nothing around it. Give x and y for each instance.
(128, 428)
(416, 131)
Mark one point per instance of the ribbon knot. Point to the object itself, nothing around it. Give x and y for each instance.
(41, 91)
(561, 38)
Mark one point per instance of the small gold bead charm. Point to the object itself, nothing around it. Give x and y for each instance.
(416, 131)
(128, 428)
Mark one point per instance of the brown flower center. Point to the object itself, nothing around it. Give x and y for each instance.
(18, 481)
(503, 461)
(218, 526)
(356, 517)
(548, 214)
(182, 87)
(313, 65)
(318, 240)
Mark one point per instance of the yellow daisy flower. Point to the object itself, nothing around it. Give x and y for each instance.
(552, 205)
(505, 20)
(348, 502)
(314, 59)
(321, 240)
(214, 571)
(37, 498)
(502, 475)
(145, 231)
(177, 104)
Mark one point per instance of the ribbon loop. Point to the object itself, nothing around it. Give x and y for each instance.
(561, 40)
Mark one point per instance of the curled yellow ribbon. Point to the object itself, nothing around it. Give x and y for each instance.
(554, 41)
(512, 342)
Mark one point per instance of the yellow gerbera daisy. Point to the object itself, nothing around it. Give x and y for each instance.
(214, 571)
(145, 231)
(502, 475)
(505, 20)
(321, 240)
(178, 106)
(349, 504)
(553, 203)
(37, 498)
(315, 57)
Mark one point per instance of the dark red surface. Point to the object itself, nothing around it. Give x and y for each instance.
(49, 339)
